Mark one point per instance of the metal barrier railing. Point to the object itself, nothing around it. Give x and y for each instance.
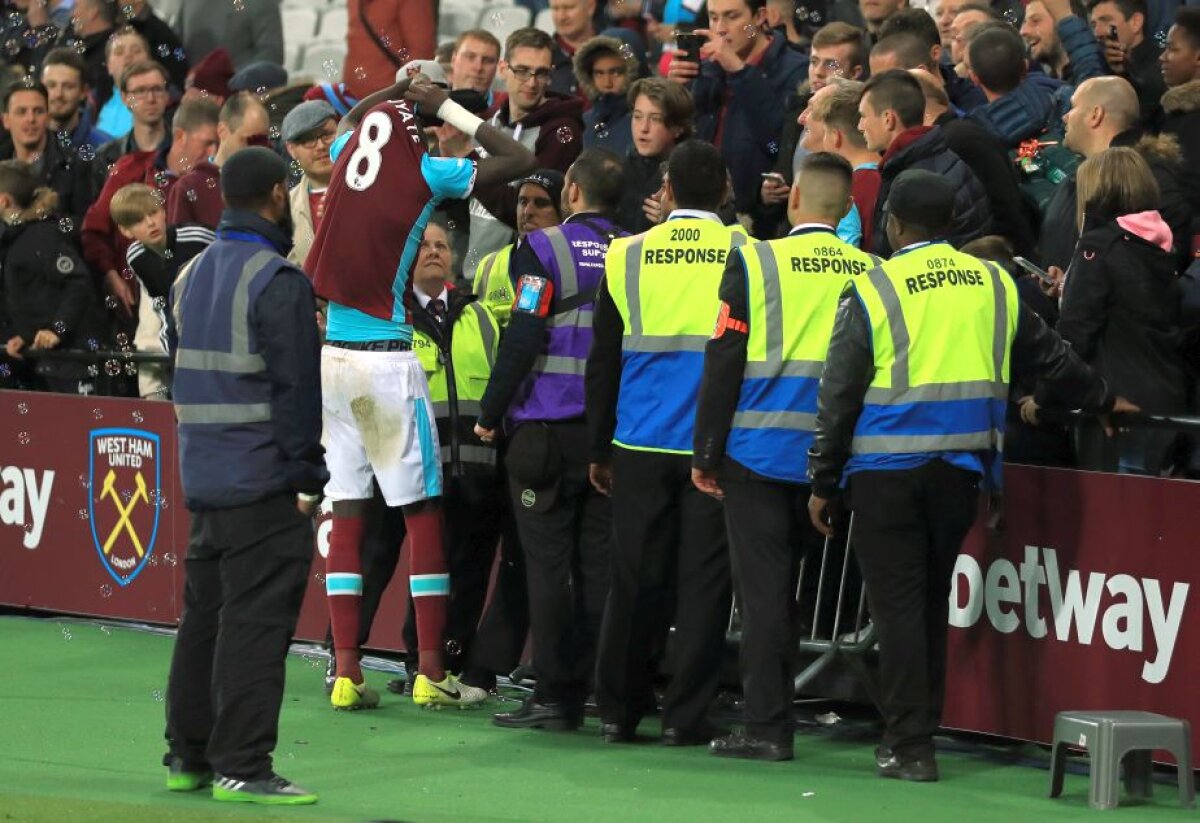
(107, 365)
(837, 572)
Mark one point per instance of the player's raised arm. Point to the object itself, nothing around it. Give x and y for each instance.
(396, 91)
(507, 160)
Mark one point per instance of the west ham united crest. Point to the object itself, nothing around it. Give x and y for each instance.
(126, 478)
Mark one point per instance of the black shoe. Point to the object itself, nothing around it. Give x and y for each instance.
(399, 685)
(742, 745)
(690, 737)
(479, 678)
(917, 770)
(535, 715)
(617, 733)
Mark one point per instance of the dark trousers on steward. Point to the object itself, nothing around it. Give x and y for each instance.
(769, 533)
(670, 537)
(247, 568)
(908, 528)
(567, 551)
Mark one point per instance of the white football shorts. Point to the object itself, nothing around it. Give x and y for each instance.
(378, 421)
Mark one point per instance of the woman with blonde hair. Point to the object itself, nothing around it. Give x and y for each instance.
(1120, 306)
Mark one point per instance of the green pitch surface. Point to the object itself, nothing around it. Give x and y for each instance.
(81, 718)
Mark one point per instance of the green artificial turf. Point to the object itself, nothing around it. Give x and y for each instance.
(81, 717)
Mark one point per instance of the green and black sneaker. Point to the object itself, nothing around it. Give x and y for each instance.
(181, 778)
(273, 791)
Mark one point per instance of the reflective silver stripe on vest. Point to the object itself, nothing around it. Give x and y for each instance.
(792, 368)
(468, 407)
(238, 360)
(915, 443)
(773, 296)
(932, 392)
(468, 453)
(223, 413)
(1000, 332)
(633, 289)
(654, 345)
(487, 332)
(574, 317)
(484, 274)
(774, 420)
(561, 247)
(901, 342)
(559, 365)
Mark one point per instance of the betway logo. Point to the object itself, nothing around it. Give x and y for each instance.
(24, 499)
(1074, 605)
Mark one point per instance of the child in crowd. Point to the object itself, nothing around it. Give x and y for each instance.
(155, 257)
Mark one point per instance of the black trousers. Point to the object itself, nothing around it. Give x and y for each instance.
(247, 568)
(567, 550)
(769, 533)
(669, 537)
(908, 528)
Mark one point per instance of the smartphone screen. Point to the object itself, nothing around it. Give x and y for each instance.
(1036, 271)
(688, 45)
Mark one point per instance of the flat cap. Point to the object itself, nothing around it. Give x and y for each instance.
(252, 172)
(922, 197)
(260, 75)
(304, 118)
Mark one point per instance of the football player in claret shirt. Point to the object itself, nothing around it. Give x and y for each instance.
(379, 422)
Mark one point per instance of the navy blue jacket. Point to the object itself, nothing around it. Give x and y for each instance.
(753, 121)
(231, 452)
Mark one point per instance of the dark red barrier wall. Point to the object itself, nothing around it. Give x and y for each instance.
(1083, 601)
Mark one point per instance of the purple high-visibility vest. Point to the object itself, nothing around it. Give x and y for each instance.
(573, 255)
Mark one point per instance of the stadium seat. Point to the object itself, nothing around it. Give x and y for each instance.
(319, 5)
(454, 21)
(334, 23)
(544, 21)
(299, 25)
(317, 56)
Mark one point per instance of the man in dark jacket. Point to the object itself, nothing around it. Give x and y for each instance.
(1180, 115)
(1019, 107)
(1133, 53)
(738, 87)
(985, 154)
(1060, 41)
(893, 112)
(912, 510)
(248, 398)
(1105, 113)
(911, 24)
(165, 45)
(548, 124)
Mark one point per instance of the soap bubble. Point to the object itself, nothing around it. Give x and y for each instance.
(163, 50)
(60, 328)
(110, 302)
(112, 368)
(191, 195)
(137, 417)
(23, 438)
(331, 69)
(106, 590)
(66, 225)
(96, 413)
(564, 134)
(83, 515)
(22, 408)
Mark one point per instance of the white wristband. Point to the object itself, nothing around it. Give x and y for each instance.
(460, 118)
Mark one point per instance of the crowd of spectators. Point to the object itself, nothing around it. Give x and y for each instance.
(1070, 132)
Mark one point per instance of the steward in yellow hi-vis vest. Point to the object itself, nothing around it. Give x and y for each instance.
(493, 285)
(792, 290)
(664, 284)
(911, 414)
(754, 422)
(654, 313)
(456, 344)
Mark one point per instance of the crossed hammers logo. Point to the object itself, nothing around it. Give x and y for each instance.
(109, 490)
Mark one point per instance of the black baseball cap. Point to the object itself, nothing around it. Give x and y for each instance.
(922, 197)
(549, 179)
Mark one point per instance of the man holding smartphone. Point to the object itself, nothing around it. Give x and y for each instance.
(738, 78)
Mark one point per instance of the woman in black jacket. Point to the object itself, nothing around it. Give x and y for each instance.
(1120, 306)
(50, 301)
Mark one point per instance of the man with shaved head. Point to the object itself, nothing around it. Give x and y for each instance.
(1104, 113)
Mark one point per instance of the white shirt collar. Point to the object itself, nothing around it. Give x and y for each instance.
(424, 299)
(799, 227)
(698, 214)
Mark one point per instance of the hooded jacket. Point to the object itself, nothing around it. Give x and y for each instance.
(1120, 309)
(554, 133)
(1059, 231)
(1181, 118)
(607, 124)
(924, 147)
